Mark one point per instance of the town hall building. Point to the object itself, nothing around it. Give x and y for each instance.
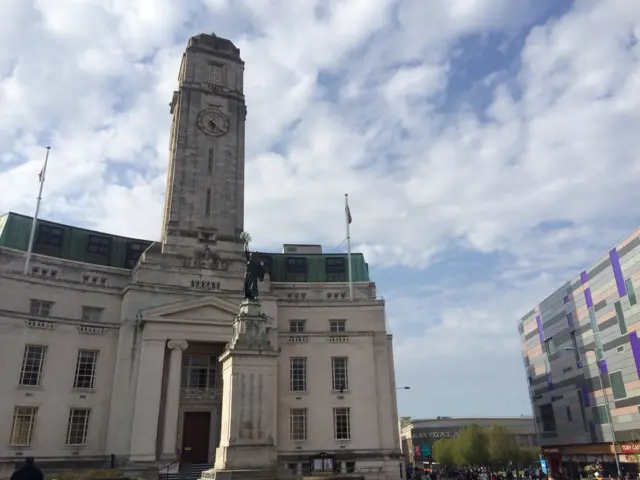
(120, 352)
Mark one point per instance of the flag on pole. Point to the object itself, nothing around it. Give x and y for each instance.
(41, 176)
(347, 212)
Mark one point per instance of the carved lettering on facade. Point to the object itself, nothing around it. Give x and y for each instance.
(205, 285)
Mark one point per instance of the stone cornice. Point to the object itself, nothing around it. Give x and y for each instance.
(61, 283)
(56, 320)
(63, 261)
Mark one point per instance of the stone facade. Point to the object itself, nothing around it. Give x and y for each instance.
(129, 366)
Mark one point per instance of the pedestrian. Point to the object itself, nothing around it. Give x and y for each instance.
(28, 471)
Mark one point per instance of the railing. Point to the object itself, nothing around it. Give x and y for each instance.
(190, 393)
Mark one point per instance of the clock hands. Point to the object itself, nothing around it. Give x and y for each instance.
(216, 125)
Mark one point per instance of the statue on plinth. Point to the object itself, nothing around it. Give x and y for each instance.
(254, 271)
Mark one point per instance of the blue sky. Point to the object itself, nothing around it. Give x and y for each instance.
(489, 148)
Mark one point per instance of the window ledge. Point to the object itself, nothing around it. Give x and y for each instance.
(20, 447)
(298, 393)
(83, 390)
(343, 440)
(299, 441)
(340, 392)
(74, 447)
(30, 387)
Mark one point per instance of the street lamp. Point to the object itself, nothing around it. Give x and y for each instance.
(404, 388)
(606, 403)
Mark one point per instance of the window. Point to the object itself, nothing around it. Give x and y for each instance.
(593, 320)
(548, 418)
(550, 347)
(32, 365)
(298, 374)
(134, 251)
(40, 308)
(631, 292)
(620, 317)
(297, 326)
(569, 417)
(85, 369)
(617, 385)
(99, 245)
(199, 371)
(215, 74)
(339, 373)
(574, 346)
(583, 413)
(296, 269)
(78, 426)
(342, 423)
(24, 423)
(49, 236)
(600, 416)
(92, 314)
(337, 325)
(335, 269)
(298, 424)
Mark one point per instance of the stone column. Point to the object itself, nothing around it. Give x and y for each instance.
(147, 403)
(172, 402)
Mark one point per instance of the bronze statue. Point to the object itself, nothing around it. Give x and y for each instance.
(253, 274)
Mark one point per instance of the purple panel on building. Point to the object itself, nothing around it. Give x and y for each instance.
(549, 381)
(540, 331)
(583, 277)
(579, 364)
(617, 272)
(570, 319)
(635, 348)
(585, 397)
(566, 299)
(588, 297)
(603, 367)
(592, 428)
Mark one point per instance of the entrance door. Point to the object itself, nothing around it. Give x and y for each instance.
(195, 437)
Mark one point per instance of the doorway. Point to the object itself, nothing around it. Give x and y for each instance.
(195, 437)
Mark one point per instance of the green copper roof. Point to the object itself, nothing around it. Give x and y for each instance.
(88, 246)
(71, 243)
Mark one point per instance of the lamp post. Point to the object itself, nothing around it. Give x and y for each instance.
(606, 403)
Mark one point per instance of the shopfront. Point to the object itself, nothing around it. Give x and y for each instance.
(576, 461)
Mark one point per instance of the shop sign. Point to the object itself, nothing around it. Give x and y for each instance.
(630, 448)
(436, 434)
(551, 450)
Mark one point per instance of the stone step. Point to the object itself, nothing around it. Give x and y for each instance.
(186, 472)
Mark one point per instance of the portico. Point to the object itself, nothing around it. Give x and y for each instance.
(179, 385)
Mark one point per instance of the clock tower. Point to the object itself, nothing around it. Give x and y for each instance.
(204, 201)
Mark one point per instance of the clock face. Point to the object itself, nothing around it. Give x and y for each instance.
(213, 122)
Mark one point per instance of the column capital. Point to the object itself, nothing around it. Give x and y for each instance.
(177, 345)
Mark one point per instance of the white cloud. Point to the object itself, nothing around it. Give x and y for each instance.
(556, 143)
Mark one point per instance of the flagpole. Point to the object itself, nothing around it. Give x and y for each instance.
(348, 220)
(34, 223)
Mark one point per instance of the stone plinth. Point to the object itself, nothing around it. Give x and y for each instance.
(249, 409)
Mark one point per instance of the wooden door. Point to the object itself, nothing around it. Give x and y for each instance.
(195, 437)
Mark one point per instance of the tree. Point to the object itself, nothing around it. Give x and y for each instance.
(472, 446)
(528, 456)
(443, 451)
(501, 445)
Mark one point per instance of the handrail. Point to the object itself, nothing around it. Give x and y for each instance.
(171, 463)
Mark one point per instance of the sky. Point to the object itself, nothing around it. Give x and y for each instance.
(490, 149)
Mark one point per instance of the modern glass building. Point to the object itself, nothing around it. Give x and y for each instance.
(582, 357)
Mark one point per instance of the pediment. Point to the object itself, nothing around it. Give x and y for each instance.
(208, 309)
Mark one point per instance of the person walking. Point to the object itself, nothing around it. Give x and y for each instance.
(28, 471)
